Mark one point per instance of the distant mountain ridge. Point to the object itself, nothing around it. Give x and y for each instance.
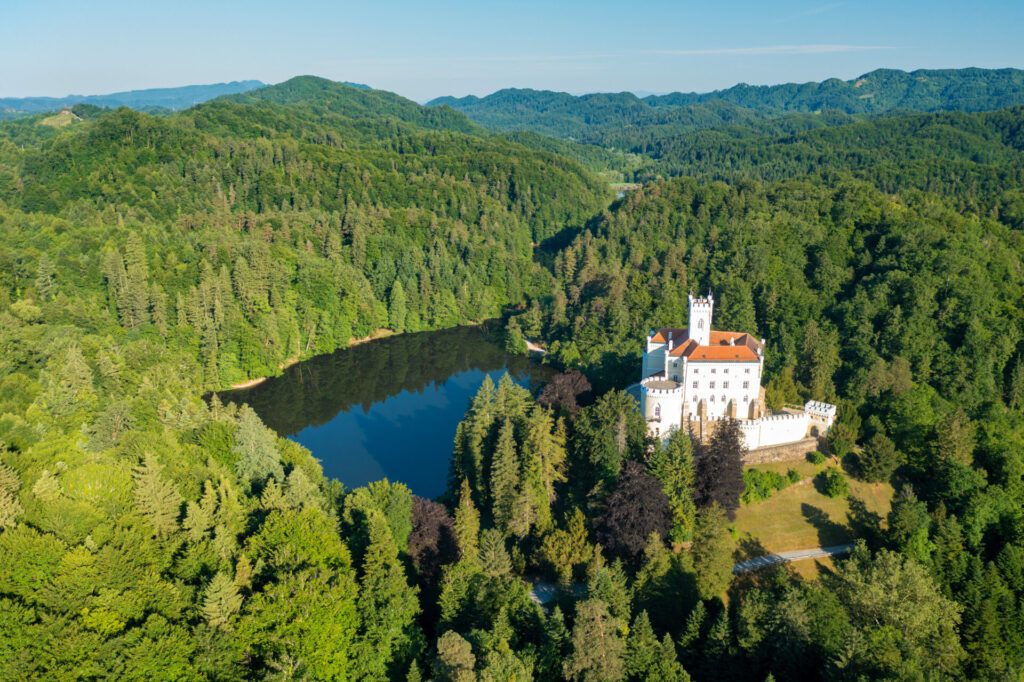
(164, 98)
(882, 90)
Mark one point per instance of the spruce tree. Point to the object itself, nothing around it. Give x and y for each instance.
(505, 476)
(494, 559)
(156, 497)
(221, 601)
(597, 647)
(256, 449)
(672, 464)
(397, 307)
(10, 505)
(386, 603)
(712, 552)
(467, 525)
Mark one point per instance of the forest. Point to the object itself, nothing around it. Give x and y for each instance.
(150, 531)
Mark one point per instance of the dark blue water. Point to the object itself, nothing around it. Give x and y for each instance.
(387, 408)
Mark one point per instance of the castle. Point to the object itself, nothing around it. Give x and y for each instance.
(697, 376)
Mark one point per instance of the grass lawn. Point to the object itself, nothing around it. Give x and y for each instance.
(800, 517)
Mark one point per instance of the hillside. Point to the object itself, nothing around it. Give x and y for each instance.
(152, 98)
(151, 532)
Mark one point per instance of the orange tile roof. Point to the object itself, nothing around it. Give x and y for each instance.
(744, 347)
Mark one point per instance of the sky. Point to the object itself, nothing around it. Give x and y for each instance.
(424, 49)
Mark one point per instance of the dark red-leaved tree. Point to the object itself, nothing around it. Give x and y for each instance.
(636, 507)
(432, 541)
(565, 392)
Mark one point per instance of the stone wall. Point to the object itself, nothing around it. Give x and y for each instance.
(787, 452)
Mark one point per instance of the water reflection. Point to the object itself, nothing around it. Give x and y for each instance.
(386, 408)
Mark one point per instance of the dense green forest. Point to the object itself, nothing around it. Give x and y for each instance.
(147, 260)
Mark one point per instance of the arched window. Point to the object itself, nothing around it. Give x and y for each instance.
(657, 411)
(700, 324)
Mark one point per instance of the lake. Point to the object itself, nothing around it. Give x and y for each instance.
(387, 408)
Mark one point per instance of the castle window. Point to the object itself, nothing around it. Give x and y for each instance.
(746, 384)
(696, 371)
(712, 385)
(696, 384)
(725, 371)
(744, 398)
(712, 370)
(725, 384)
(657, 411)
(747, 370)
(712, 398)
(723, 398)
(700, 324)
(695, 398)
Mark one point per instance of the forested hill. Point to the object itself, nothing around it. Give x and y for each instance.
(162, 98)
(361, 202)
(586, 116)
(875, 92)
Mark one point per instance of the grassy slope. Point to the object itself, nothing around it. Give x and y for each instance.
(800, 517)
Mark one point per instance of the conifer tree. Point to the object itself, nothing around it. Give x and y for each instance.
(505, 475)
(712, 552)
(256, 449)
(494, 559)
(199, 515)
(47, 487)
(10, 505)
(597, 646)
(46, 278)
(672, 464)
(156, 497)
(136, 281)
(221, 601)
(642, 649)
(300, 491)
(470, 437)
(386, 603)
(398, 309)
(467, 525)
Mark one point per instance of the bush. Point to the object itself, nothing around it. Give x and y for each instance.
(831, 482)
(760, 485)
(816, 457)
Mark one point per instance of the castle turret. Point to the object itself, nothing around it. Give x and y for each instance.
(700, 319)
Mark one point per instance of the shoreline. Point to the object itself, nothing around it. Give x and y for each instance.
(250, 383)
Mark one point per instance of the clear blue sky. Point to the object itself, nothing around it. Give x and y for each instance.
(423, 49)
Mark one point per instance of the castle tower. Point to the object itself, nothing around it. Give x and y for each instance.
(700, 319)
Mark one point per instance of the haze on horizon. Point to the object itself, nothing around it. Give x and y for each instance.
(459, 48)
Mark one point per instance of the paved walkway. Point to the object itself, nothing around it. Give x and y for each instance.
(792, 555)
(544, 592)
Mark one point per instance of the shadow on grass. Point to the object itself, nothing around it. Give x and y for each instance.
(864, 523)
(829, 532)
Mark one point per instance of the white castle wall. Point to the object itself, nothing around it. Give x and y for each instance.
(661, 408)
(775, 429)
